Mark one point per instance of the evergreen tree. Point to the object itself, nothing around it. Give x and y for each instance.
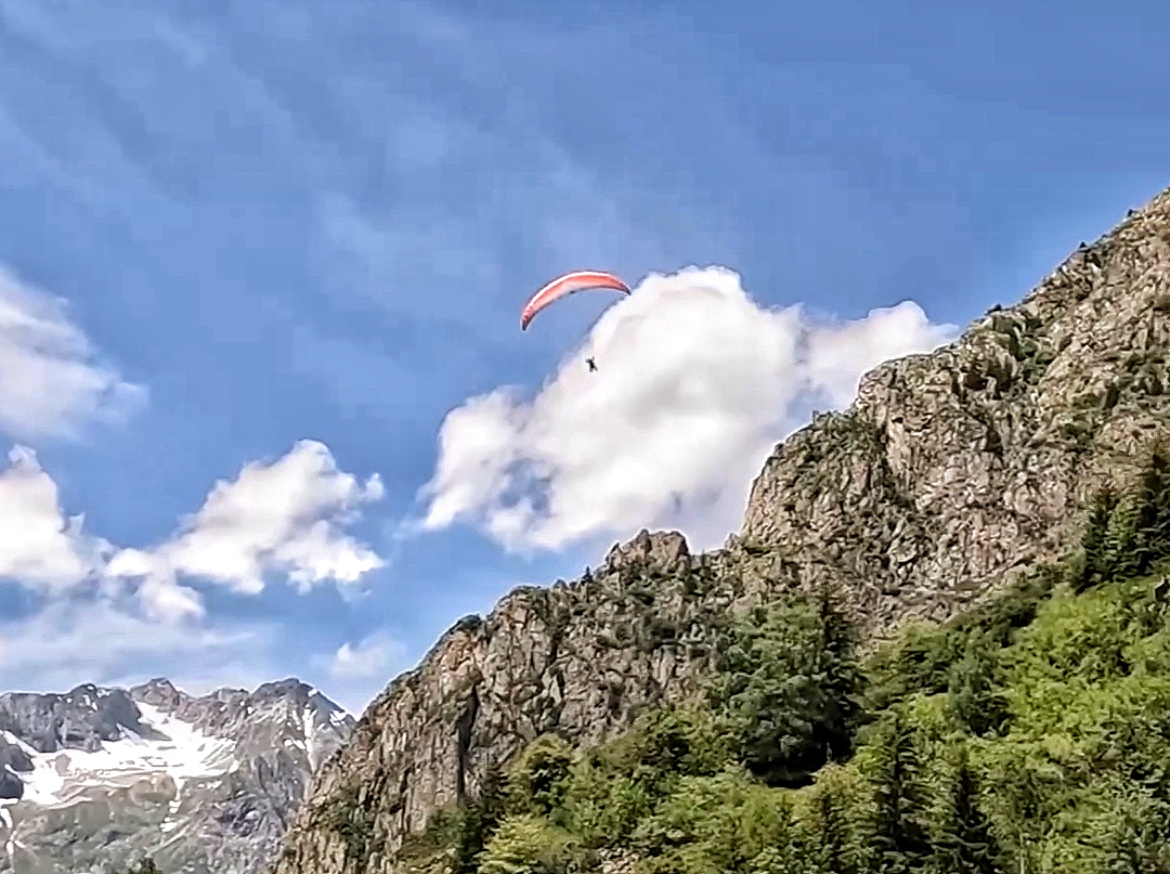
(839, 641)
(787, 681)
(477, 823)
(1127, 533)
(538, 780)
(965, 844)
(975, 698)
(900, 839)
(527, 845)
(835, 851)
(1124, 553)
(1153, 527)
(1094, 545)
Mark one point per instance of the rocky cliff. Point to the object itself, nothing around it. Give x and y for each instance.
(97, 778)
(949, 470)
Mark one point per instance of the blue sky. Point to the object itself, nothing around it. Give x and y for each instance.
(284, 220)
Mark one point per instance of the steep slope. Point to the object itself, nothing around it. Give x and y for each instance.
(96, 777)
(949, 470)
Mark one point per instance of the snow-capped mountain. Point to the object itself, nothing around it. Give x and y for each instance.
(94, 779)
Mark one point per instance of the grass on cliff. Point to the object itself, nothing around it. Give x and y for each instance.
(1029, 735)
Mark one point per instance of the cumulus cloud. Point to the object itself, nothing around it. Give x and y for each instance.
(39, 547)
(285, 517)
(103, 611)
(50, 378)
(372, 658)
(696, 383)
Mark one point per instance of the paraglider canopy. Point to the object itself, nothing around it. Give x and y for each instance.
(570, 283)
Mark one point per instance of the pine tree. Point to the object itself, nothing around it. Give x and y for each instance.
(1094, 544)
(1127, 533)
(971, 683)
(965, 844)
(787, 676)
(833, 832)
(1153, 528)
(478, 821)
(839, 640)
(1123, 552)
(901, 840)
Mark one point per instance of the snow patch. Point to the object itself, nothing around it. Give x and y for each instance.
(307, 731)
(187, 753)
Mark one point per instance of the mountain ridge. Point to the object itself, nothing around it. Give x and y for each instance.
(97, 777)
(950, 471)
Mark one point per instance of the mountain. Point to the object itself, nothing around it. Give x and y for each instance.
(94, 779)
(951, 472)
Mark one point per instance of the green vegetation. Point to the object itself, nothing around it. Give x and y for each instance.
(1031, 734)
(351, 816)
(785, 688)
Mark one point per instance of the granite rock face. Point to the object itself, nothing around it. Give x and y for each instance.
(953, 467)
(949, 470)
(94, 779)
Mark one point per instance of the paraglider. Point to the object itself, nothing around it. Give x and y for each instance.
(570, 283)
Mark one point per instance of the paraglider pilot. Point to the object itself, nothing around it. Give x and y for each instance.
(570, 283)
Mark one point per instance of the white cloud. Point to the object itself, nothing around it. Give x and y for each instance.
(104, 612)
(696, 383)
(287, 517)
(839, 354)
(357, 672)
(284, 517)
(39, 547)
(50, 380)
(372, 658)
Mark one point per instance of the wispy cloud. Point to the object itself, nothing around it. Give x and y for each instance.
(356, 672)
(372, 657)
(52, 380)
(71, 641)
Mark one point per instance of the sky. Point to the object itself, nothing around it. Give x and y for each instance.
(265, 406)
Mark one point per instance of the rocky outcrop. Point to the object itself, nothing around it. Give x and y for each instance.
(79, 720)
(11, 787)
(953, 467)
(950, 470)
(589, 655)
(97, 778)
(13, 758)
